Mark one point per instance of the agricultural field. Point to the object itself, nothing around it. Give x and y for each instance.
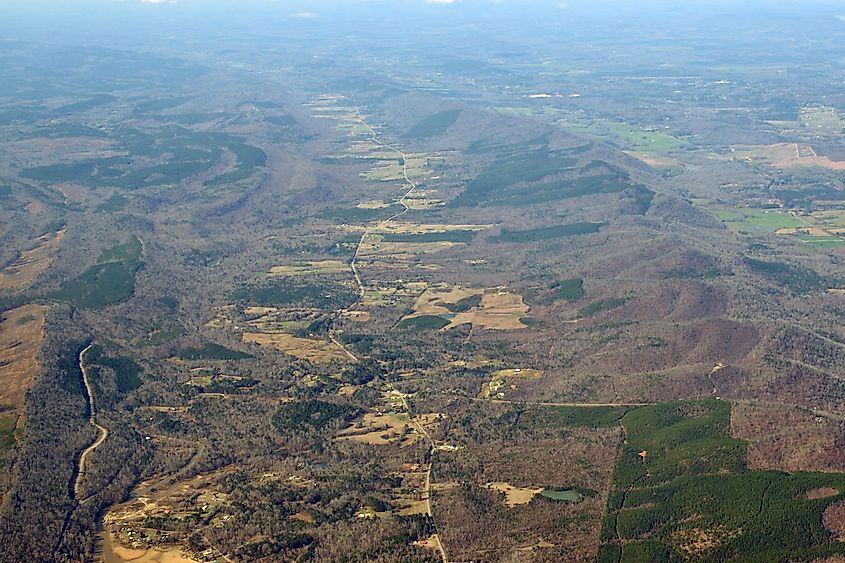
(307, 269)
(311, 349)
(784, 156)
(768, 220)
(819, 228)
(395, 245)
(446, 307)
(821, 117)
(640, 140)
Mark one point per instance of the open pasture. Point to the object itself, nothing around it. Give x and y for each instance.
(309, 268)
(820, 117)
(784, 156)
(311, 349)
(624, 135)
(494, 309)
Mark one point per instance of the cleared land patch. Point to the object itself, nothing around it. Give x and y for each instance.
(821, 228)
(392, 294)
(311, 349)
(820, 117)
(784, 155)
(398, 245)
(309, 268)
(515, 495)
(288, 332)
(498, 310)
(387, 428)
(624, 135)
(499, 380)
(393, 170)
(494, 309)
(21, 337)
(128, 536)
(389, 424)
(31, 263)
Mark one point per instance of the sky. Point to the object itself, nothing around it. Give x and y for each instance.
(111, 20)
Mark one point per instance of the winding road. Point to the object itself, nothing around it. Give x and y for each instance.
(102, 431)
(719, 367)
(402, 201)
(361, 293)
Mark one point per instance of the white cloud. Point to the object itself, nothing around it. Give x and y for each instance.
(440, 1)
(305, 15)
(158, 1)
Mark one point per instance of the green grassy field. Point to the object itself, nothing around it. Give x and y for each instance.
(626, 135)
(832, 219)
(513, 111)
(756, 219)
(821, 242)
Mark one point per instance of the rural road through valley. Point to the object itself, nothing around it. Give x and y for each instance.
(361, 293)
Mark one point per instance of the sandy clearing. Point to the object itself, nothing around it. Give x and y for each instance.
(821, 492)
(515, 496)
